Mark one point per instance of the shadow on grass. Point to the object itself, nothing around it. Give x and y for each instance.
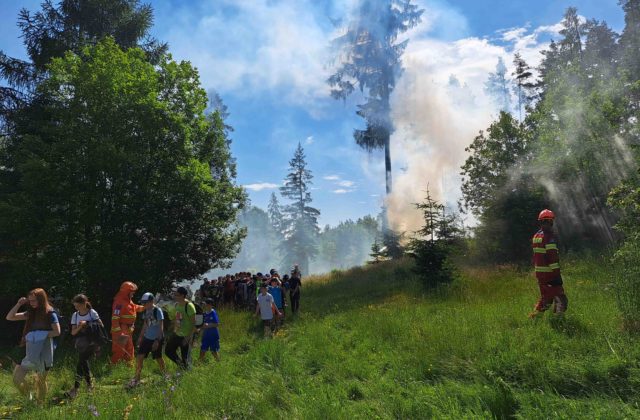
(569, 326)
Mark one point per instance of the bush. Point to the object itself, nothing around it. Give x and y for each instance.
(433, 262)
(627, 282)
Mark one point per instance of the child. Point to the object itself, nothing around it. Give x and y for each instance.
(210, 336)
(85, 344)
(266, 308)
(276, 291)
(151, 337)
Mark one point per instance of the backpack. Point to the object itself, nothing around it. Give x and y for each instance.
(199, 315)
(93, 335)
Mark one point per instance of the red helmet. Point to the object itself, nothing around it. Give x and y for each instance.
(128, 287)
(546, 214)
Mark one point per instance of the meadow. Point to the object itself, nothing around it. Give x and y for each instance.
(371, 342)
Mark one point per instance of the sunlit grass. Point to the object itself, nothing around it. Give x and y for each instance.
(372, 343)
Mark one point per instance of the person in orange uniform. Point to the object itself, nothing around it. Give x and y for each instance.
(547, 267)
(123, 318)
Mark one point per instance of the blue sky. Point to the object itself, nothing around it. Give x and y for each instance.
(268, 59)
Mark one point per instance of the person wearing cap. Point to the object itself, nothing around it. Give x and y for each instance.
(123, 318)
(184, 326)
(151, 337)
(547, 267)
(210, 335)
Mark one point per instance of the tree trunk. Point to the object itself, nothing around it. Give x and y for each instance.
(387, 163)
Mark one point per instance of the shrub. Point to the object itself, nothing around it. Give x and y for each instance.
(627, 282)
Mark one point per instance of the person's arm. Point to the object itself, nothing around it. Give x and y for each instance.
(213, 324)
(76, 326)
(144, 328)
(14, 315)
(55, 326)
(192, 318)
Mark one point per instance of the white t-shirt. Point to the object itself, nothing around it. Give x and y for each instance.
(265, 302)
(89, 316)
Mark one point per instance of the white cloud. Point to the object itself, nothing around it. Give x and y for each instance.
(331, 177)
(261, 186)
(341, 191)
(252, 46)
(346, 184)
(309, 140)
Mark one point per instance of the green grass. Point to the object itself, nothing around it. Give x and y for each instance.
(371, 343)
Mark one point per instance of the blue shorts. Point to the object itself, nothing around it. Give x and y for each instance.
(210, 343)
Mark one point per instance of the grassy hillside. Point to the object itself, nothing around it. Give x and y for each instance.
(370, 343)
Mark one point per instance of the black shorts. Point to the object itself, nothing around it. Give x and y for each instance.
(146, 347)
(266, 322)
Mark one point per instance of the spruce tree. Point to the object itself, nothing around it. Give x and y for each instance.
(275, 214)
(72, 25)
(300, 219)
(369, 56)
(524, 87)
(497, 87)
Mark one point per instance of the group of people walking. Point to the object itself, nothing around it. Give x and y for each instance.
(42, 325)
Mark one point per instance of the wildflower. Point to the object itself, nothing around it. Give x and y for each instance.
(127, 411)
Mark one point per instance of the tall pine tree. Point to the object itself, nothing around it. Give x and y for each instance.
(274, 211)
(300, 219)
(72, 25)
(369, 57)
(524, 86)
(497, 87)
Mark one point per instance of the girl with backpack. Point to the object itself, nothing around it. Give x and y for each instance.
(40, 328)
(85, 325)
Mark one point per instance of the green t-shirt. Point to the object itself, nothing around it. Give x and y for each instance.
(184, 318)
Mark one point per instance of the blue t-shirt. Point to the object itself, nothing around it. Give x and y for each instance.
(276, 292)
(210, 318)
(153, 322)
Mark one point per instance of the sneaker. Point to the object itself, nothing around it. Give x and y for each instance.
(133, 383)
(72, 393)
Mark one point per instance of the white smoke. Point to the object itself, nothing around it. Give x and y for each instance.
(438, 107)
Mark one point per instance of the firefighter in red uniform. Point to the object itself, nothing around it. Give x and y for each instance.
(547, 267)
(123, 318)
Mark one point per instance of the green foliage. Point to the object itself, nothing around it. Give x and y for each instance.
(434, 244)
(300, 219)
(72, 25)
(627, 282)
(497, 189)
(345, 245)
(369, 59)
(113, 171)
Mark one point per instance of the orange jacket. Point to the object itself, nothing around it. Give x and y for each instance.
(123, 313)
(545, 256)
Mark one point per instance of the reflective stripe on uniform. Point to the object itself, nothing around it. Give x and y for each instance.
(543, 269)
(128, 316)
(551, 246)
(116, 329)
(554, 266)
(539, 251)
(537, 240)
